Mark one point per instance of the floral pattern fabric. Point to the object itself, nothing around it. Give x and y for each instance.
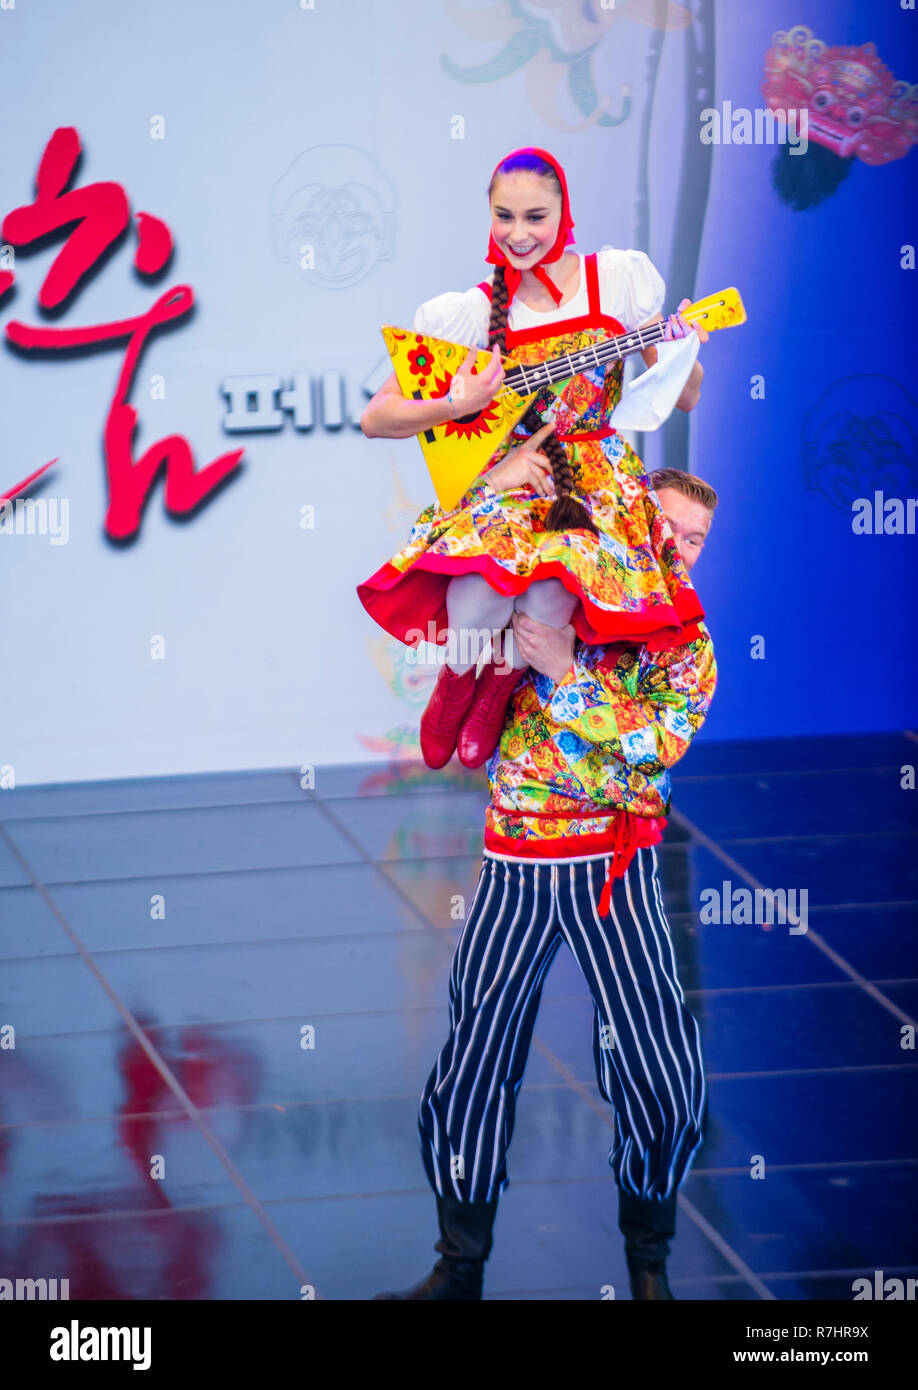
(603, 739)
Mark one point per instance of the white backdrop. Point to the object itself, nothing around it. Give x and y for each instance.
(267, 657)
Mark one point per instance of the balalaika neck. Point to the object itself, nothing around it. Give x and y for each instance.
(526, 380)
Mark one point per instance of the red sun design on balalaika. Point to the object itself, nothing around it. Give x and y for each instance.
(421, 363)
(481, 422)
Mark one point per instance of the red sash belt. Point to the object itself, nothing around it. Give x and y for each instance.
(627, 833)
(602, 433)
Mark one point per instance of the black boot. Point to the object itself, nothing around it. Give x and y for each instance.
(648, 1225)
(464, 1244)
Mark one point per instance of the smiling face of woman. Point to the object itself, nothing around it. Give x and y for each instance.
(525, 217)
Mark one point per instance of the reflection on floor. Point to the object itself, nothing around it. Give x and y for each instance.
(169, 1130)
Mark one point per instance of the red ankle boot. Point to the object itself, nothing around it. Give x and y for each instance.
(480, 732)
(444, 714)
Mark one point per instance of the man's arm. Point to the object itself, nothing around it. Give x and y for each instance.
(647, 714)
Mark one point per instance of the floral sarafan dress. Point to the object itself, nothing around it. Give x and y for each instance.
(631, 582)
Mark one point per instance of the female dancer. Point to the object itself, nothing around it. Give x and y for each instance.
(604, 560)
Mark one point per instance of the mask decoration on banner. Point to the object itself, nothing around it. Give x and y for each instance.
(860, 441)
(333, 214)
(855, 107)
(92, 219)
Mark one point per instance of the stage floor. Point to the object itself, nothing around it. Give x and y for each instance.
(165, 942)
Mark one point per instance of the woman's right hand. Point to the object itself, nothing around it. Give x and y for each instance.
(524, 464)
(469, 394)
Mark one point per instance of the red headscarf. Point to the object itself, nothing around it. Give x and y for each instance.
(495, 256)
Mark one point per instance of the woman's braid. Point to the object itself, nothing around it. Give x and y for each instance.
(565, 513)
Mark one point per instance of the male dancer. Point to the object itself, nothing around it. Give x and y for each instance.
(688, 504)
(615, 720)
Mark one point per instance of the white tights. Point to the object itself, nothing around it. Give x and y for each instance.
(475, 612)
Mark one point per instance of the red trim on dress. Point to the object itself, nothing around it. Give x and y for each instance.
(394, 598)
(594, 317)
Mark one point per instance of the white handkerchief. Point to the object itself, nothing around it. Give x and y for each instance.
(651, 397)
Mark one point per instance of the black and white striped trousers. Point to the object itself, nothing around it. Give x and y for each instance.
(646, 1045)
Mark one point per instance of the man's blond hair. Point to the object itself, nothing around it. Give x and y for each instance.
(686, 483)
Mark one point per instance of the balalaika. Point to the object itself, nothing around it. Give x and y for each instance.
(457, 451)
